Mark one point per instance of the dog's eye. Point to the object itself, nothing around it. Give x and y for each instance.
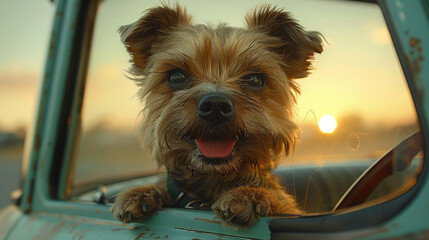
(178, 78)
(254, 80)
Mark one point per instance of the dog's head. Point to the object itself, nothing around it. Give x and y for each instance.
(218, 99)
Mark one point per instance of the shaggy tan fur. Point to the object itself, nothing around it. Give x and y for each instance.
(217, 59)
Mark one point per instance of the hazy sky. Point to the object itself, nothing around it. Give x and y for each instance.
(25, 27)
(358, 73)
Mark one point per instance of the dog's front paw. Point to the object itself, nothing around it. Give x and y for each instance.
(243, 206)
(139, 202)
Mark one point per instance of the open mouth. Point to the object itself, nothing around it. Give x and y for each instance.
(216, 147)
(214, 150)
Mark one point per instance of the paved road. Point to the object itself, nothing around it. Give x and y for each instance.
(10, 171)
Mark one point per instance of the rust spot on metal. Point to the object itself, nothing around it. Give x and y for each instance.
(47, 75)
(207, 220)
(415, 60)
(52, 45)
(72, 227)
(45, 94)
(417, 235)
(196, 239)
(97, 210)
(29, 198)
(27, 211)
(158, 237)
(414, 41)
(140, 235)
(51, 54)
(34, 165)
(373, 232)
(37, 143)
(57, 228)
(147, 229)
(81, 234)
(218, 235)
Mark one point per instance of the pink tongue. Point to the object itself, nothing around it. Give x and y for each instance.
(216, 148)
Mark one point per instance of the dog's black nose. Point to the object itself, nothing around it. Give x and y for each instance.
(215, 107)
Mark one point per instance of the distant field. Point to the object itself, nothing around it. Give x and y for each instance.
(11, 152)
(10, 169)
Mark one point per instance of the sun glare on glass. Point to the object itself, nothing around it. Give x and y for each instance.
(327, 124)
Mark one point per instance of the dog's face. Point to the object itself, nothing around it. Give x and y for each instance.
(218, 99)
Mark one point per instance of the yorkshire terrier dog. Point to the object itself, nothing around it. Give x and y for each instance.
(218, 104)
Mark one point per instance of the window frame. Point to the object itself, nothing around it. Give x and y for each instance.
(401, 18)
(50, 155)
(47, 160)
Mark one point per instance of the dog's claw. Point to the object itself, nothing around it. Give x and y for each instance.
(139, 202)
(226, 214)
(144, 207)
(243, 206)
(261, 210)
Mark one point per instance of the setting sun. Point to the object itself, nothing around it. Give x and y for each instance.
(327, 124)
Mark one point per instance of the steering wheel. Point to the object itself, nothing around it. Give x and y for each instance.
(397, 159)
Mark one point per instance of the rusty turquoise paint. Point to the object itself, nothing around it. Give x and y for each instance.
(409, 26)
(170, 224)
(48, 218)
(58, 65)
(9, 218)
(51, 81)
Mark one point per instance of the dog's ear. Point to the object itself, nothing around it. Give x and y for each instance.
(296, 45)
(140, 36)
